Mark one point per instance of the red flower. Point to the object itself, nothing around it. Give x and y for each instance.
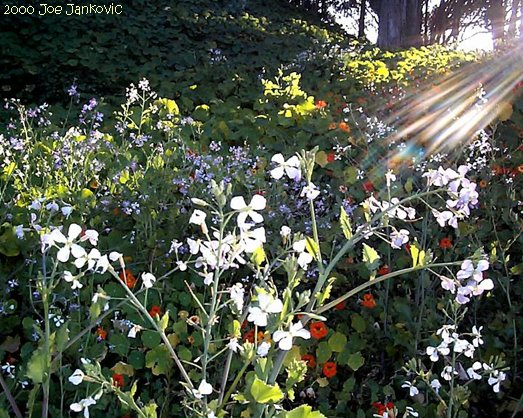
(155, 310)
(368, 186)
(318, 330)
(102, 333)
(320, 104)
(118, 380)
(329, 369)
(128, 277)
(340, 306)
(445, 243)
(383, 270)
(368, 301)
(381, 409)
(331, 157)
(249, 336)
(310, 360)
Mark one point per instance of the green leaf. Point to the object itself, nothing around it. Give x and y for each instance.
(312, 248)
(159, 360)
(124, 177)
(37, 366)
(264, 393)
(370, 257)
(417, 255)
(321, 297)
(258, 257)
(304, 411)
(323, 352)
(355, 361)
(337, 342)
(358, 323)
(164, 321)
(346, 227)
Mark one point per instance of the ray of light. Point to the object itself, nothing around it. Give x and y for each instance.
(445, 116)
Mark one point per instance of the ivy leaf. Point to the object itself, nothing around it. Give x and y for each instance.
(264, 393)
(346, 227)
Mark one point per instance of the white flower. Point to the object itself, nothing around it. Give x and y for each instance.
(304, 258)
(237, 295)
(447, 373)
(436, 385)
(477, 336)
(446, 217)
(102, 265)
(115, 256)
(182, 265)
(90, 235)
(411, 412)
(148, 280)
(77, 377)
(285, 231)
(448, 284)
(471, 371)
(233, 345)
(135, 329)
(258, 202)
(199, 202)
(284, 338)
(413, 390)
(83, 405)
(310, 191)
(204, 389)
(398, 238)
(194, 246)
(91, 259)
(390, 176)
(291, 167)
(68, 277)
(207, 278)
(69, 246)
(198, 217)
(251, 240)
(496, 377)
(263, 349)
(66, 210)
(266, 305)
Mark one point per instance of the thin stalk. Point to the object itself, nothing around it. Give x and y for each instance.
(233, 385)
(9, 397)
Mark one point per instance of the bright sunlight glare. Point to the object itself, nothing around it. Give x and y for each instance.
(450, 112)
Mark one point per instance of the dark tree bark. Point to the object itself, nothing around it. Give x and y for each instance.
(496, 20)
(361, 20)
(399, 23)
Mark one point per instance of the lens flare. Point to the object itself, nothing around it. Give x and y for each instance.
(451, 111)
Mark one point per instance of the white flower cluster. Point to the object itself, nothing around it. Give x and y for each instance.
(470, 281)
(454, 342)
(462, 194)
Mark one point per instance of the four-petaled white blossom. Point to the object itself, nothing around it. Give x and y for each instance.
(263, 348)
(258, 202)
(413, 390)
(83, 405)
(398, 238)
(68, 277)
(284, 338)
(77, 377)
(70, 247)
(267, 304)
(304, 258)
(198, 217)
(291, 167)
(310, 191)
(148, 280)
(204, 389)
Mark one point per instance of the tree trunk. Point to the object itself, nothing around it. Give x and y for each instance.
(399, 23)
(496, 20)
(361, 21)
(511, 32)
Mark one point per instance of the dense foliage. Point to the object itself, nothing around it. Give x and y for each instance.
(239, 90)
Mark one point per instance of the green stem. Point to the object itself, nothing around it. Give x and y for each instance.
(9, 397)
(233, 385)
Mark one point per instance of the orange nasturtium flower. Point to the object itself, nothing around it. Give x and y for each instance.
(320, 104)
(340, 306)
(155, 310)
(118, 380)
(383, 270)
(329, 369)
(344, 127)
(318, 330)
(102, 333)
(249, 336)
(128, 277)
(332, 126)
(445, 243)
(368, 301)
(310, 360)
